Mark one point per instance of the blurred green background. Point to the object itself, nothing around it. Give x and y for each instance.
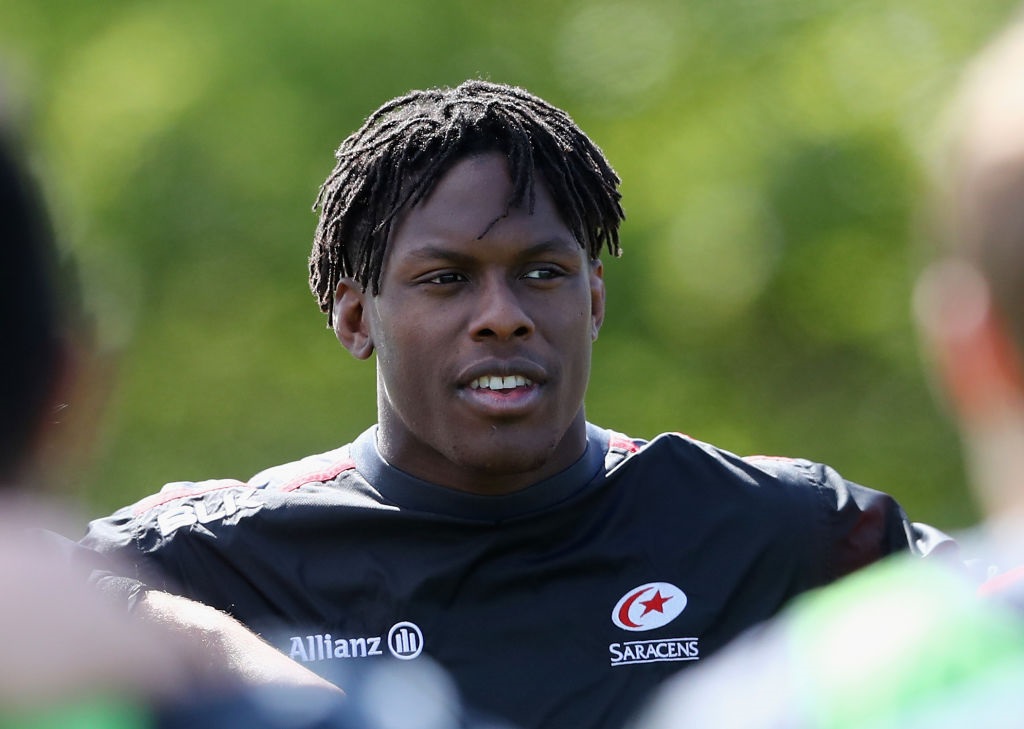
(771, 152)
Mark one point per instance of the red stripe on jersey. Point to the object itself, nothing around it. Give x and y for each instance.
(346, 464)
(622, 443)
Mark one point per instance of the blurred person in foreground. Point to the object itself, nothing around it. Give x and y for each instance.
(67, 654)
(557, 570)
(71, 657)
(908, 643)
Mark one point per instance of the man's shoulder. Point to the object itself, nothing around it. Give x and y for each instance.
(675, 451)
(222, 501)
(285, 477)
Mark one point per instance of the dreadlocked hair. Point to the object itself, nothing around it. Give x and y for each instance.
(404, 148)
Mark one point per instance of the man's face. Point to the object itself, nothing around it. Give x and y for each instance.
(483, 329)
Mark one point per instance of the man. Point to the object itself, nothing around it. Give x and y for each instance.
(51, 666)
(905, 643)
(71, 658)
(556, 569)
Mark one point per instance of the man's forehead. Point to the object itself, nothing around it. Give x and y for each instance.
(480, 187)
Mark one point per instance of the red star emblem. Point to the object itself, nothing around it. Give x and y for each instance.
(655, 604)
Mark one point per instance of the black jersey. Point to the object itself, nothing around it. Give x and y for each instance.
(560, 605)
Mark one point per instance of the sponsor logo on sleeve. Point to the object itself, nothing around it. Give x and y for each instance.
(404, 641)
(648, 607)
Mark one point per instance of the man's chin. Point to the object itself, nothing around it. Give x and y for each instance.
(519, 461)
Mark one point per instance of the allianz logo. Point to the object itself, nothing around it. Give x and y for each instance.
(404, 642)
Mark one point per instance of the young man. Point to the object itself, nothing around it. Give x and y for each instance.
(907, 644)
(50, 668)
(70, 657)
(556, 569)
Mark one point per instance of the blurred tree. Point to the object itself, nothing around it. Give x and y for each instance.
(771, 157)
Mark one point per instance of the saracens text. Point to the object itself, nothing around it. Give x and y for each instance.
(654, 651)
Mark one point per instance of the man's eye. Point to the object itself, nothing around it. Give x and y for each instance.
(446, 278)
(542, 274)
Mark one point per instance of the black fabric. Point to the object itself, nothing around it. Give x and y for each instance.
(336, 557)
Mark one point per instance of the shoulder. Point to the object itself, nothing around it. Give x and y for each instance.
(150, 521)
(282, 479)
(680, 455)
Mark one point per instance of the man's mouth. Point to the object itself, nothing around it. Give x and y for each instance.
(497, 382)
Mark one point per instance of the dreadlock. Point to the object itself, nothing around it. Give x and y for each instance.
(404, 148)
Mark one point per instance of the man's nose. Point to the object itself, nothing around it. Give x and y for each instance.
(500, 312)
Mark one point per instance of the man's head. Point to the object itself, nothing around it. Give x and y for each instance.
(971, 302)
(394, 160)
(459, 239)
(31, 317)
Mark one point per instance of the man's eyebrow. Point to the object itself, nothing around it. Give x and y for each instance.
(438, 253)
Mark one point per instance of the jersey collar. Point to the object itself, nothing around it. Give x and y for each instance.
(410, 492)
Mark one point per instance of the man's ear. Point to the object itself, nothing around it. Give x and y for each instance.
(974, 352)
(64, 432)
(350, 319)
(597, 296)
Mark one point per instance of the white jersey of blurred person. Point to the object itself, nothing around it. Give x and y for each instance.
(71, 657)
(906, 644)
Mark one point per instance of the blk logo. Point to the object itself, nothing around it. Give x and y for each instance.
(405, 640)
(649, 606)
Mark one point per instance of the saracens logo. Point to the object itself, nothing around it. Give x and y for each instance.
(649, 606)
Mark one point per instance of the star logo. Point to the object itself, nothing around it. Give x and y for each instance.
(655, 604)
(649, 606)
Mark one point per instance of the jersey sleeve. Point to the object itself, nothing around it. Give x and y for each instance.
(172, 540)
(861, 525)
(134, 544)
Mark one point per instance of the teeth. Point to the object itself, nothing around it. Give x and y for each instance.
(494, 382)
